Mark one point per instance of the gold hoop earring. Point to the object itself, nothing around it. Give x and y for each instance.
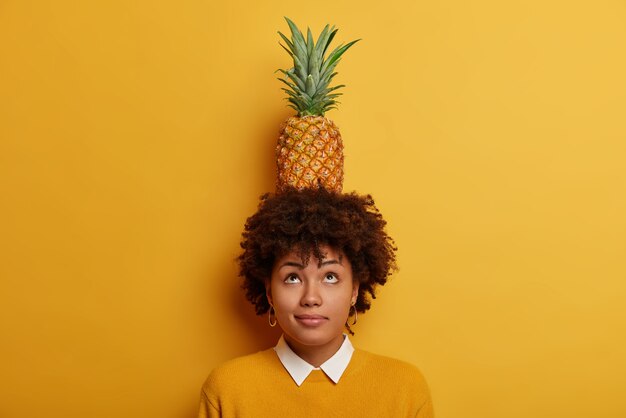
(269, 316)
(356, 314)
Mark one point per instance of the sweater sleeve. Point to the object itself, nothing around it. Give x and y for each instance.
(207, 410)
(426, 411)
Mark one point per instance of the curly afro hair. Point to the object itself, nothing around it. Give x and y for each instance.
(303, 221)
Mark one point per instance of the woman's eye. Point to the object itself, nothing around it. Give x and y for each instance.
(292, 278)
(331, 278)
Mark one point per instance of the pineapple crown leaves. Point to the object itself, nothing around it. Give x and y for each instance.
(307, 82)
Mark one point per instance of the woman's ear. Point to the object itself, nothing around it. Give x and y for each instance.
(355, 292)
(268, 292)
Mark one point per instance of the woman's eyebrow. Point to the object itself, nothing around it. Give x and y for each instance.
(291, 264)
(302, 266)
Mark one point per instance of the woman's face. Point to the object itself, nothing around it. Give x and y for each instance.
(312, 301)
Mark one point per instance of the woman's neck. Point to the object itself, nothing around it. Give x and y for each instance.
(315, 355)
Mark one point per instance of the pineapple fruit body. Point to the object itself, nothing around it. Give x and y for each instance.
(309, 154)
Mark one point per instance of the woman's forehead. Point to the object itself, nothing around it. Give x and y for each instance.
(305, 255)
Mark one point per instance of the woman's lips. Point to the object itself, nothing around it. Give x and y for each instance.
(311, 320)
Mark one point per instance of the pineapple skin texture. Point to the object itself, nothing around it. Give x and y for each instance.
(309, 154)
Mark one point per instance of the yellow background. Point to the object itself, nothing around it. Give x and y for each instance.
(137, 136)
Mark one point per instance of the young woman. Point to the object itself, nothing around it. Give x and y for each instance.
(311, 261)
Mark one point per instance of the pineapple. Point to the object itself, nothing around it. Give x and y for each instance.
(309, 152)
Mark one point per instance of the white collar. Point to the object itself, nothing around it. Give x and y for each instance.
(300, 369)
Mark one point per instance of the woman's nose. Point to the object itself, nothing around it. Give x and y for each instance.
(311, 295)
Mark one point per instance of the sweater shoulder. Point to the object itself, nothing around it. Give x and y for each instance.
(384, 367)
(237, 371)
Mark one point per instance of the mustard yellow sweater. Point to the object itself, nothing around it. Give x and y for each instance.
(259, 386)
